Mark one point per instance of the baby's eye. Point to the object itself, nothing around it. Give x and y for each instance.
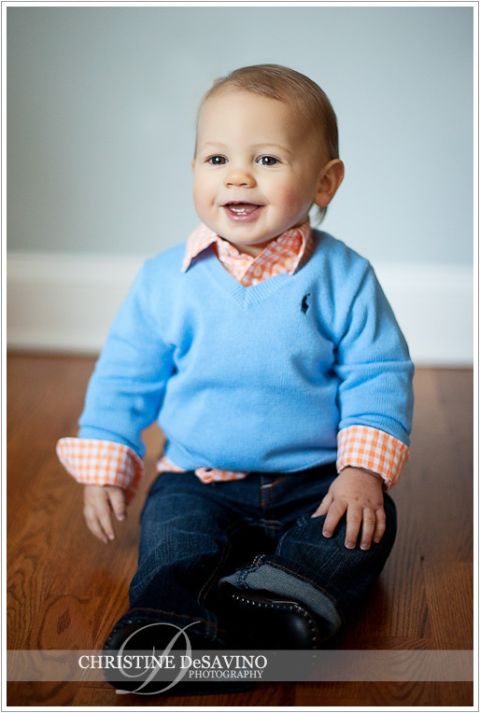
(216, 160)
(267, 160)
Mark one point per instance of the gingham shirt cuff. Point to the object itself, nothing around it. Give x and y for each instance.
(375, 450)
(96, 462)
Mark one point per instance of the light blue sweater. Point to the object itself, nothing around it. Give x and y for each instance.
(252, 379)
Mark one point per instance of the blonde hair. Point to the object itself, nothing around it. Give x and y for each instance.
(291, 87)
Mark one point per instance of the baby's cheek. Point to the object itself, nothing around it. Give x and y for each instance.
(198, 192)
(293, 199)
(202, 196)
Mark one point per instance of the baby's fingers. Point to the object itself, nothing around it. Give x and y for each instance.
(354, 522)
(117, 501)
(103, 514)
(368, 528)
(381, 525)
(93, 523)
(324, 505)
(335, 513)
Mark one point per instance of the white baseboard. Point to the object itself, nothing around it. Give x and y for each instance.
(66, 302)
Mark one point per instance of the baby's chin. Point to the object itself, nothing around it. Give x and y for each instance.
(246, 238)
(250, 236)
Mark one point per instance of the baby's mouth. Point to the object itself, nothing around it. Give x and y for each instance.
(241, 209)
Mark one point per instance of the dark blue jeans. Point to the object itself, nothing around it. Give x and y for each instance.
(256, 533)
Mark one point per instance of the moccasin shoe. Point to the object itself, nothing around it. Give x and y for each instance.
(259, 619)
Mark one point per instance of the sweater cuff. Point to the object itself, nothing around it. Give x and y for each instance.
(370, 448)
(96, 462)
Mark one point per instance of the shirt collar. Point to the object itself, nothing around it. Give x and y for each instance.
(202, 238)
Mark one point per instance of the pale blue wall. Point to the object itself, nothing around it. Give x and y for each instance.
(102, 101)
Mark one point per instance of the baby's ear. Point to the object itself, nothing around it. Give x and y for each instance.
(329, 182)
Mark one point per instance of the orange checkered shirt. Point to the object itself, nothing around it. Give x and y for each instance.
(98, 462)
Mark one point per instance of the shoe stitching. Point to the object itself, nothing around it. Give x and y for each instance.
(281, 606)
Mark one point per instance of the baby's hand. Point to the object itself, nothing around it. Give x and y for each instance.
(99, 501)
(359, 494)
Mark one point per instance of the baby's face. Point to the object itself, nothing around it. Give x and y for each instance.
(256, 170)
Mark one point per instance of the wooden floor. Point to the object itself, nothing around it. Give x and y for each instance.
(65, 588)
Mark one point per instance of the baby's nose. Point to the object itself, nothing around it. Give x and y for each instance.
(240, 177)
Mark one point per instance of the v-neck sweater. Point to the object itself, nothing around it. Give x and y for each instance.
(252, 379)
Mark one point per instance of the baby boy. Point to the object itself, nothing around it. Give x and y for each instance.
(273, 362)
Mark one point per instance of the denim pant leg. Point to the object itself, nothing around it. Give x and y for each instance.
(184, 540)
(320, 572)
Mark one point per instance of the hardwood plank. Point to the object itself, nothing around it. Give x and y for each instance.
(449, 591)
(384, 694)
(438, 484)
(99, 694)
(37, 694)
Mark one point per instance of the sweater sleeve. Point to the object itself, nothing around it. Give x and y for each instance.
(127, 387)
(373, 364)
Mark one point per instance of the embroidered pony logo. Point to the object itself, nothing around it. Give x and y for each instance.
(304, 306)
